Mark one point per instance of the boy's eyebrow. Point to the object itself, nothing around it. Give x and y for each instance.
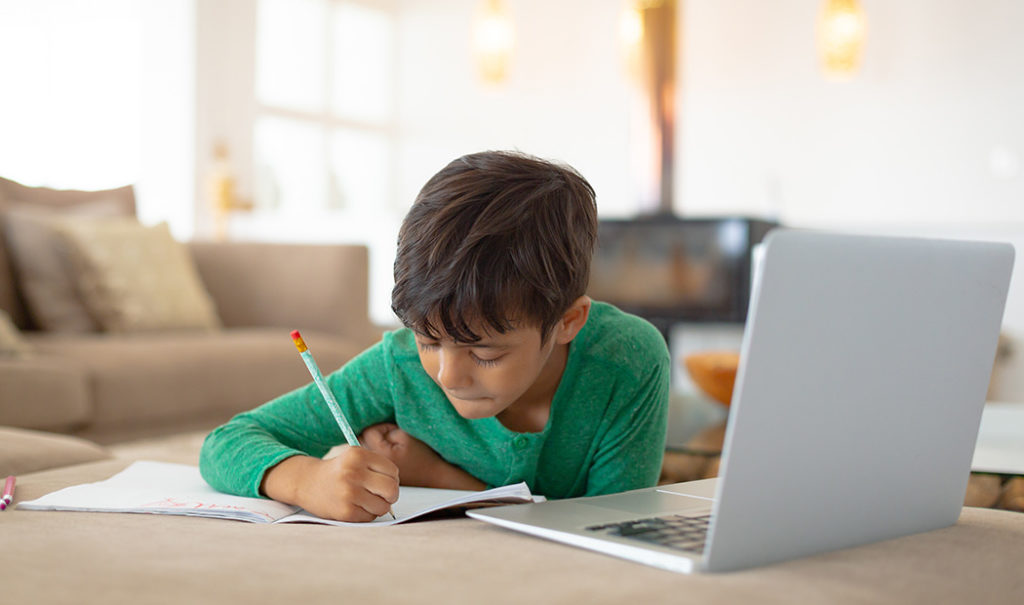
(482, 345)
(471, 345)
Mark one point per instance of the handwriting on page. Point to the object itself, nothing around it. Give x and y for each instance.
(189, 503)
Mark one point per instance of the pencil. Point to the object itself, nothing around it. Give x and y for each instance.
(8, 496)
(332, 403)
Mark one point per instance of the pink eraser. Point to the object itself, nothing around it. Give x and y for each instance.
(295, 334)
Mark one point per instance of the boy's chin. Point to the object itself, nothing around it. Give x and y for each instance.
(476, 408)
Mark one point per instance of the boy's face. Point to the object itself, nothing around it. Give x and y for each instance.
(487, 377)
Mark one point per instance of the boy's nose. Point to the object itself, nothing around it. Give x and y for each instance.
(451, 371)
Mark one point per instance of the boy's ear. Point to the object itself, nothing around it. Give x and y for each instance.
(573, 320)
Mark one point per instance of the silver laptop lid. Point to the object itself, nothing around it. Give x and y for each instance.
(863, 373)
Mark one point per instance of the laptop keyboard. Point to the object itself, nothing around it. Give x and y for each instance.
(682, 532)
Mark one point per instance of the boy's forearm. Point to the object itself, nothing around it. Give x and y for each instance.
(449, 476)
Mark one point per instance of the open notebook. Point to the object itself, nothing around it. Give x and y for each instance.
(177, 489)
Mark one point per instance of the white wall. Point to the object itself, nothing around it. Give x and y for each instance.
(164, 187)
(565, 98)
(930, 131)
(225, 39)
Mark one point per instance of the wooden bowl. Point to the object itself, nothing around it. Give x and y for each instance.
(714, 372)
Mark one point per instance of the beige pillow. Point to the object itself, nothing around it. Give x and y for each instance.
(41, 264)
(115, 202)
(134, 278)
(11, 344)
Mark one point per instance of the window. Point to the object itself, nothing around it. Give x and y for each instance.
(98, 94)
(71, 110)
(324, 132)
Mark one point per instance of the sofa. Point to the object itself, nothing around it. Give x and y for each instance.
(111, 387)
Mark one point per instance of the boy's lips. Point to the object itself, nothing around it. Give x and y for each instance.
(464, 398)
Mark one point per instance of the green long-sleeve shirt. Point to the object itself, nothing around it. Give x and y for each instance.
(605, 432)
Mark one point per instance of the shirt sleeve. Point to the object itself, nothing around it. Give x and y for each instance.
(235, 456)
(630, 453)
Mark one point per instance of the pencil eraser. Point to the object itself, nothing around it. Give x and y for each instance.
(299, 343)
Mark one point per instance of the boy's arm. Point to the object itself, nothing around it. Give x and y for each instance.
(236, 455)
(631, 450)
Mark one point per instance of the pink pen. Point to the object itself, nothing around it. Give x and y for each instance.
(8, 493)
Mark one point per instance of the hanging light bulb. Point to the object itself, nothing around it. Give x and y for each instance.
(631, 35)
(493, 39)
(841, 32)
(631, 24)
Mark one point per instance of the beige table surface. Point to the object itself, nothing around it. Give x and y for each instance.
(58, 557)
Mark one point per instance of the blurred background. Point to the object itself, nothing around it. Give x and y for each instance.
(318, 120)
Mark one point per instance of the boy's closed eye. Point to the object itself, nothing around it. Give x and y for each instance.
(486, 360)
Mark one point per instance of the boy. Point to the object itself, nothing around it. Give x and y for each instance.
(505, 371)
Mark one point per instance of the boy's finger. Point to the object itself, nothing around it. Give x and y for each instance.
(378, 463)
(378, 435)
(365, 508)
(373, 437)
(383, 487)
(374, 505)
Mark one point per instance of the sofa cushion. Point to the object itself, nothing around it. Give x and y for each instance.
(43, 393)
(24, 451)
(11, 343)
(173, 380)
(136, 278)
(45, 197)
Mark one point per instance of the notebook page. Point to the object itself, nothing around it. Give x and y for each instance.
(160, 488)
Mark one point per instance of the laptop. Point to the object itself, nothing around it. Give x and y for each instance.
(863, 372)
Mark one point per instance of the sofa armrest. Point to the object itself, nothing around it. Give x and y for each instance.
(294, 286)
(24, 451)
(44, 393)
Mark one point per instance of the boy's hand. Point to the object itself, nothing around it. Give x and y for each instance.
(358, 485)
(418, 465)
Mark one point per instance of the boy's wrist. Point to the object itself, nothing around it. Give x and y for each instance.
(282, 482)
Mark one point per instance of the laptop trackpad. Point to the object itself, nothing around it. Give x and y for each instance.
(650, 502)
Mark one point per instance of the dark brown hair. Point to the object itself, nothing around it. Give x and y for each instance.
(495, 239)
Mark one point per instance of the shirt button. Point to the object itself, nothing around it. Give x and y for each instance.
(520, 442)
